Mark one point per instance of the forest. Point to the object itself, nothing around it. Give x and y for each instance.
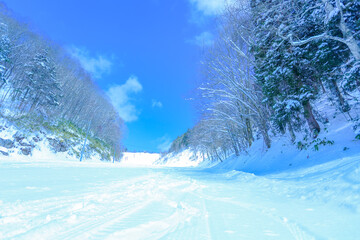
(273, 65)
(42, 83)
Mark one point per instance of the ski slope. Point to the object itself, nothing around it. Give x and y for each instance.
(64, 200)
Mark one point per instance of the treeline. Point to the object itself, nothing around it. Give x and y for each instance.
(39, 78)
(271, 62)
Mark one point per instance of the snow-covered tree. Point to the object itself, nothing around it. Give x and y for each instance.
(40, 79)
(284, 71)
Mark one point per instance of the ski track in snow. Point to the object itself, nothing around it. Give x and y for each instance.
(79, 202)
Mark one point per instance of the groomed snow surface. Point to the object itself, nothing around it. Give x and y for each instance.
(69, 200)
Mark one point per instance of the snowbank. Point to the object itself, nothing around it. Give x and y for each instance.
(186, 158)
(336, 141)
(139, 159)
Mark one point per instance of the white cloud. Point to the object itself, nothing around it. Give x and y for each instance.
(97, 66)
(164, 143)
(120, 96)
(210, 7)
(156, 104)
(204, 39)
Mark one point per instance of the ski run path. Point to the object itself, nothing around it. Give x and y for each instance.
(59, 200)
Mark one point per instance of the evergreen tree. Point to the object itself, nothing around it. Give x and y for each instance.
(283, 71)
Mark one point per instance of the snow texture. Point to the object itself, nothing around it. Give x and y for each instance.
(97, 200)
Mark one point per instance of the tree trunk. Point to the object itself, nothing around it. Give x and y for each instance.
(217, 155)
(309, 116)
(266, 138)
(234, 143)
(291, 131)
(249, 132)
(264, 133)
(344, 107)
(348, 34)
(237, 153)
(5, 95)
(322, 86)
(22, 103)
(225, 153)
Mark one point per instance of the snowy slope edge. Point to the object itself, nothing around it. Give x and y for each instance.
(335, 144)
(56, 142)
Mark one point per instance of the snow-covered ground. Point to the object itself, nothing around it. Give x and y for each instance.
(89, 200)
(139, 159)
(185, 158)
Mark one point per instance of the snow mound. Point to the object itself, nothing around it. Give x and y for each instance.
(139, 159)
(186, 158)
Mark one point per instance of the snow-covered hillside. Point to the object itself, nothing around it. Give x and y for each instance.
(337, 140)
(336, 143)
(20, 139)
(139, 159)
(186, 158)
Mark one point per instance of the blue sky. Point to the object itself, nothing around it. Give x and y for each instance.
(143, 53)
